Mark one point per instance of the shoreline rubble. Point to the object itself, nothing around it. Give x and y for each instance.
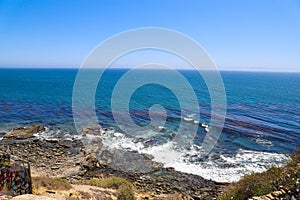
(77, 162)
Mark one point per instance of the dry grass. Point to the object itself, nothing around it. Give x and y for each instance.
(124, 187)
(175, 196)
(40, 184)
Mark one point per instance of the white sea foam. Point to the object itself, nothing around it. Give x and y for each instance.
(161, 128)
(204, 125)
(117, 134)
(187, 119)
(221, 168)
(263, 142)
(192, 115)
(231, 168)
(163, 153)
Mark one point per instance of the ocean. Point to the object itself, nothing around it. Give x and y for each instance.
(262, 124)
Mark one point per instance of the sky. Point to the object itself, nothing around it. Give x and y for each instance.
(237, 35)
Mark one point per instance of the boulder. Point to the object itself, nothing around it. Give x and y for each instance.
(23, 132)
(90, 162)
(92, 129)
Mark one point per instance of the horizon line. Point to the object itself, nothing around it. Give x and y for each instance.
(128, 68)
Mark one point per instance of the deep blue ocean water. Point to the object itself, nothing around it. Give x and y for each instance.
(263, 108)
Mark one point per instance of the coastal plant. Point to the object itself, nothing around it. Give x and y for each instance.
(45, 183)
(126, 193)
(275, 178)
(124, 187)
(255, 184)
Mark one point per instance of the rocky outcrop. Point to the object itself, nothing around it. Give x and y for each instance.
(92, 129)
(48, 157)
(77, 160)
(276, 195)
(19, 133)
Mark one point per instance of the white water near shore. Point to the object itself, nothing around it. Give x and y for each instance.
(244, 162)
(220, 168)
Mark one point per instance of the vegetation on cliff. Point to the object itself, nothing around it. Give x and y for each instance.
(285, 179)
(124, 187)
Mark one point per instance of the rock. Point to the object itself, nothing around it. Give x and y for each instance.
(50, 191)
(57, 154)
(264, 198)
(90, 162)
(158, 190)
(92, 129)
(277, 193)
(270, 196)
(35, 129)
(260, 198)
(31, 197)
(43, 165)
(170, 169)
(54, 140)
(282, 191)
(64, 143)
(75, 161)
(8, 136)
(48, 156)
(54, 167)
(99, 164)
(23, 132)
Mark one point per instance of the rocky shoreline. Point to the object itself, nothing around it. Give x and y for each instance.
(77, 161)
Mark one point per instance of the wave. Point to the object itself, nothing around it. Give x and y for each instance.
(231, 168)
(215, 166)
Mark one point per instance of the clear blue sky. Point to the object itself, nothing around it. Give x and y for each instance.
(241, 34)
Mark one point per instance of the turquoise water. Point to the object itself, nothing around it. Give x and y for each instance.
(263, 108)
(261, 103)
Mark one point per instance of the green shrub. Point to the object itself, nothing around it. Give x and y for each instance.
(255, 184)
(61, 180)
(126, 193)
(124, 187)
(258, 184)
